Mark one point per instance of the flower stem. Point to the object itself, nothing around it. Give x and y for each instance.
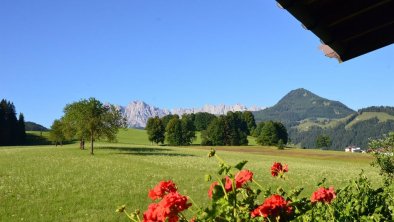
(257, 184)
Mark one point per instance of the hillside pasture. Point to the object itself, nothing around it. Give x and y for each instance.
(382, 117)
(48, 183)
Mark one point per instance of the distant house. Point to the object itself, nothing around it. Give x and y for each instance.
(353, 149)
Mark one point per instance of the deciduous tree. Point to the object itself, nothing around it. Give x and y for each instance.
(91, 118)
(155, 129)
(174, 132)
(56, 134)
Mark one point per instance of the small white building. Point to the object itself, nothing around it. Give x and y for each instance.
(353, 149)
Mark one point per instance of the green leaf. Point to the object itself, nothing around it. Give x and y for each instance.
(241, 164)
(322, 182)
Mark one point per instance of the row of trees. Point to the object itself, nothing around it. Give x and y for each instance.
(229, 130)
(225, 130)
(176, 131)
(88, 119)
(12, 129)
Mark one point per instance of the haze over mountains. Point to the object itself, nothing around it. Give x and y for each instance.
(137, 113)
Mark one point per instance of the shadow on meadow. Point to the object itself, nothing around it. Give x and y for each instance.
(142, 151)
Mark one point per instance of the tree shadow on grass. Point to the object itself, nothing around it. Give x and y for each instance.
(143, 151)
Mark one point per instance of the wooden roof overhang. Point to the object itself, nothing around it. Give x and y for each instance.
(350, 27)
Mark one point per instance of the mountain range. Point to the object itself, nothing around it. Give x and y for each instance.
(137, 113)
(305, 115)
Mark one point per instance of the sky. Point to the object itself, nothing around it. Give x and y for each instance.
(171, 54)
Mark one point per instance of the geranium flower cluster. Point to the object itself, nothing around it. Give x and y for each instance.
(233, 199)
(273, 206)
(278, 169)
(170, 205)
(241, 178)
(323, 195)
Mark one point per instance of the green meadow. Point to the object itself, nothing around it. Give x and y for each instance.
(48, 183)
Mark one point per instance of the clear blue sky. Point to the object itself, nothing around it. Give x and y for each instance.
(172, 53)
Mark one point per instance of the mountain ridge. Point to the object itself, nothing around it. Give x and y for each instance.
(138, 112)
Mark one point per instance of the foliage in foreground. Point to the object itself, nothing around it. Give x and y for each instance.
(383, 151)
(235, 197)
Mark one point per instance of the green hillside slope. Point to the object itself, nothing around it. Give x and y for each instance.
(302, 104)
(382, 117)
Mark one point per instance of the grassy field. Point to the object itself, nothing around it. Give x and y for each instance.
(139, 137)
(47, 183)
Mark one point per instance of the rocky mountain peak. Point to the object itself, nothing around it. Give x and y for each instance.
(138, 112)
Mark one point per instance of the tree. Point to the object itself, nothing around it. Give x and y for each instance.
(271, 133)
(12, 130)
(166, 119)
(229, 130)
(90, 118)
(268, 135)
(282, 132)
(3, 128)
(281, 145)
(21, 129)
(155, 129)
(180, 131)
(258, 129)
(202, 120)
(236, 129)
(174, 132)
(383, 149)
(323, 141)
(56, 134)
(215, 134)
(188, 129)
(248, 117)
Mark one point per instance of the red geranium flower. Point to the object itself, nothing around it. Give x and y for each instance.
(278, 169)
(168, 208)
(151, 215)
(172, 204)
(228, 186)
(273, 206)
(243, 177)
(323, 195)
(210, 191)
(162, 189)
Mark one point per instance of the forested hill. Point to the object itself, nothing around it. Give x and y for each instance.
(355, 129)
(31, 126)
(307, 116)
(302, 104)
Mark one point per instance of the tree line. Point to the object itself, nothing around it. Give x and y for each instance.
(231, 129)
(12, 129)
(87, 119)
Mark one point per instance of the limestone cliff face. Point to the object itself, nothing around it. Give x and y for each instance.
(137, 113)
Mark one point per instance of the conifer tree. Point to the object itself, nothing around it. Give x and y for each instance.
(21, 129)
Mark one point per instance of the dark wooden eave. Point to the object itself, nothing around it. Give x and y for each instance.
(350, 27)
